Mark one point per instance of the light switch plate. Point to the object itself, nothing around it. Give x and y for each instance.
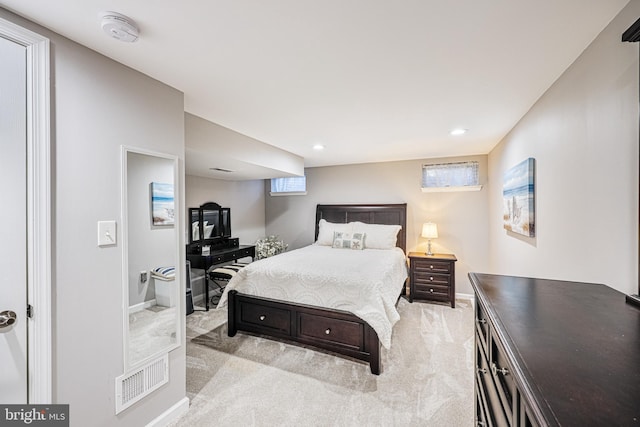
(107, 233)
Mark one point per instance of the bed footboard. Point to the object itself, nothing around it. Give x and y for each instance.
(333, 330)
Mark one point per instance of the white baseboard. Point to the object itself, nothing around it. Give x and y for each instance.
(142, 306)
(171, 414)
(469, 297)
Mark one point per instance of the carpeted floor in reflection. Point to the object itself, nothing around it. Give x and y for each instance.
(426, 380)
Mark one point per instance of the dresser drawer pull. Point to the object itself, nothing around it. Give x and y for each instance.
(431, 278)
(328, 331)
(431, 267)
(496, 370)
(431, 290)
(482, 321)
(263, 317)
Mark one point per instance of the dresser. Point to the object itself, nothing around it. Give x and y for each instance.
(554, 353)
(432, 277)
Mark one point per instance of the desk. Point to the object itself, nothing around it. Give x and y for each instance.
(219, 256)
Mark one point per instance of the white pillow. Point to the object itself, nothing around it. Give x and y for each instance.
(326, 230)
(379, 236)
(343, 240)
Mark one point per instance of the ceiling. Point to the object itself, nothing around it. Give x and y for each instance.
(371, 80)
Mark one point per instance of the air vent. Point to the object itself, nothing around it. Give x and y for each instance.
(220, 170)
(133, 386)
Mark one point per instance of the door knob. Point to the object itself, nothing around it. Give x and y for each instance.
(7, 318)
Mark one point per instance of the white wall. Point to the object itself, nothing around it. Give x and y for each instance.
(97, 105)
(461, 216)
(583, 134)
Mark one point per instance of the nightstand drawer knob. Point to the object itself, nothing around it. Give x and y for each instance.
(328, 331)
(263, 317)
(431, 290)
(431, 278)
(431, 267)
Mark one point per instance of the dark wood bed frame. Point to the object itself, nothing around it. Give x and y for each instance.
(333, 330)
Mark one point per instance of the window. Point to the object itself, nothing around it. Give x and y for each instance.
(461, 176)
(289, 185)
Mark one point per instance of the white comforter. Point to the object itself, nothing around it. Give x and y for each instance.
(366, 283)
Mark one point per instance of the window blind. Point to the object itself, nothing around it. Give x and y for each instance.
(451, 176)
(288, 185)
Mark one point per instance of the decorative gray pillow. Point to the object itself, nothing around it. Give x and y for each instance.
(344, 240)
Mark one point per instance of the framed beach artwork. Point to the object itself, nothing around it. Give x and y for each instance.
(162, 204)
(518, 198)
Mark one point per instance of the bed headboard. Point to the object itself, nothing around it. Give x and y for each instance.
(392, 214)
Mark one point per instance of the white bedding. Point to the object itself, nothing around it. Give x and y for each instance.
(364, 282)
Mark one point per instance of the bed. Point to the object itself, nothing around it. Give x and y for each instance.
(354, 321)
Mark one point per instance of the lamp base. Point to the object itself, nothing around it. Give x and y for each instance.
(429, 249)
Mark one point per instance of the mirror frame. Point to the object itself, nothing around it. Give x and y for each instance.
(179, 268)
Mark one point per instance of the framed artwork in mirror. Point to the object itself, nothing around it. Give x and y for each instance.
(162, 204)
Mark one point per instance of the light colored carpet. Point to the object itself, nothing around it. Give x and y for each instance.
(426, 380)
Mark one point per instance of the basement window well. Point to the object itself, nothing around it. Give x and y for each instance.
(289, 186)
(445, 177)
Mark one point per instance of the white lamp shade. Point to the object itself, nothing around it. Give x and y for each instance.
(429, 230)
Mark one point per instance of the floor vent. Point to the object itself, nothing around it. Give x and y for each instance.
(135, 385)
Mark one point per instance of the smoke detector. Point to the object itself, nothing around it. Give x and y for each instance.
(120, 27)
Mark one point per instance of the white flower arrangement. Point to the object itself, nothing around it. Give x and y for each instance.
(269, 246)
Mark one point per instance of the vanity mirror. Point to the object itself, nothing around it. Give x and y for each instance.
(151, 267)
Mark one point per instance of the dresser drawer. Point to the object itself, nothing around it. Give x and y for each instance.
(428, 266)
(493, 412)
(332, 331)
(502, 374)
(217, 259)
(482, 326)
(431, 279)
(246, 252)
(266, 317)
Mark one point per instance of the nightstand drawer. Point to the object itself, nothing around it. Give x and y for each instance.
(432, 279)
(426, 291)
(428, 266)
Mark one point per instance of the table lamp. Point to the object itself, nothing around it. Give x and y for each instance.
(429, 231)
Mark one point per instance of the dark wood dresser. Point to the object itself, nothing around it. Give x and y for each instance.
(555, 353)
(432, 277)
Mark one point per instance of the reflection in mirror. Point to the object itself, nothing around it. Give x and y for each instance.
(151, 269)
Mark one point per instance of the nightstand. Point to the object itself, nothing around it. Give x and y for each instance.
(432, 277)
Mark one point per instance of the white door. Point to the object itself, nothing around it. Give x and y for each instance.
(13, 231)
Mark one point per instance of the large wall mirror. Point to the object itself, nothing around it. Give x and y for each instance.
(151, 268)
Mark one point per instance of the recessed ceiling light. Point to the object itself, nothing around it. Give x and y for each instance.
(458, 131)
(318, 147)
